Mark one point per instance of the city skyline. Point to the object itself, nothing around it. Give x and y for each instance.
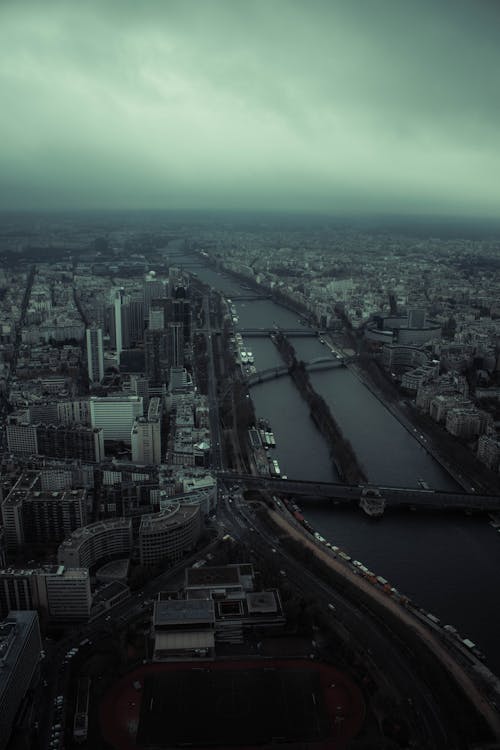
(325, 107)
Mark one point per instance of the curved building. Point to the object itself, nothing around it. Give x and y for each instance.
(96, 542)
(170, 533)
(407, 330)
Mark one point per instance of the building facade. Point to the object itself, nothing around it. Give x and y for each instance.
(115, 415)
(169, 534)
(92, 544)
(95, 354)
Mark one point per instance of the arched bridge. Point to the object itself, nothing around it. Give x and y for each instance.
(321, 363)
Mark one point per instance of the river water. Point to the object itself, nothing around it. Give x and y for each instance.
(447, 563)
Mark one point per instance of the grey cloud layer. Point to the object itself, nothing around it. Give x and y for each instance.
(366, 104)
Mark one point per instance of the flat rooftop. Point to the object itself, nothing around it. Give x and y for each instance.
(183, 611)
(213, 576)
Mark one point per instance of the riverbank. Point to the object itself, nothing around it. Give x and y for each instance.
(401, 621)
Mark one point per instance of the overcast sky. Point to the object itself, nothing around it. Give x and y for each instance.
(335, 106)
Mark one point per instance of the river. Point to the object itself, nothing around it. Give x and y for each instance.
(447, 563)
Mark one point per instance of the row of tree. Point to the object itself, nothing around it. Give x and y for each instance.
(341, 450)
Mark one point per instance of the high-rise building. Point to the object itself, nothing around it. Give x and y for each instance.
(32, 515)
(182, 314)
(95, 355)
(139, 385)
(132, 312)
(117, 322)
(156, 355)
(20, 650)
(153, 289)
(146, 436)
(175, 345)
(115, 415)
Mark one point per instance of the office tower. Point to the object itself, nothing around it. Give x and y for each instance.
(117, 322)
(146, 436)
(175, 340)
(174, 311)
(95, 355)
(139, 385)
(156, 355)
(133, 324)
(182, 314)
(115, 415)
(20, 648)
(153, 289)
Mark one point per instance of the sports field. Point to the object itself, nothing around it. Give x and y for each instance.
(203, 707)
(238, 704)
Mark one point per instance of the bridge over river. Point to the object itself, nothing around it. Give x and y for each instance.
(263, 332)
(320, 363)
(394, 496)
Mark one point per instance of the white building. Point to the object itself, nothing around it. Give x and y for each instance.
(116, 415)
(145, 437)
(95, 355)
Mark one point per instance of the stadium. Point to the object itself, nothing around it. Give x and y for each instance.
(244, 704)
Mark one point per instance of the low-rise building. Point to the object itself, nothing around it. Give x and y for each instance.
(183, 629)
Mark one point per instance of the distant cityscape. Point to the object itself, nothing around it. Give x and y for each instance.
(145, 513)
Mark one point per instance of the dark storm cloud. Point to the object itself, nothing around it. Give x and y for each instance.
(338, 105)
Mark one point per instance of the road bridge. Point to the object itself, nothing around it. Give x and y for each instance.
(395, 497)
(321, 363)
(262, 332)
(251, 297)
